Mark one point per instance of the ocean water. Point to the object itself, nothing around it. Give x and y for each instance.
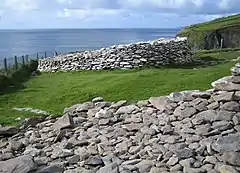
(22, 42)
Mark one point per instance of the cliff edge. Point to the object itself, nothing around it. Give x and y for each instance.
(219, 33)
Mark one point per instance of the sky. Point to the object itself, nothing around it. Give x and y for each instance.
(39, 14)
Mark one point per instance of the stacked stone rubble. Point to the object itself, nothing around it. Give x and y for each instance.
(152, 53)
(185, 132)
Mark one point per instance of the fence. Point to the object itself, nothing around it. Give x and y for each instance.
(9, 65)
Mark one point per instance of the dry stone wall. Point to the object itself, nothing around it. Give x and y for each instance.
(152, 53)
(185, 132)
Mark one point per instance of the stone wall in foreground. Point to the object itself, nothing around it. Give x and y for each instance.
(185, 132)
(152, 53)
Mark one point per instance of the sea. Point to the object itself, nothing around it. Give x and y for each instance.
(31, 42)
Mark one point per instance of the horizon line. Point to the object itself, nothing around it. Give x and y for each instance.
(82, 28)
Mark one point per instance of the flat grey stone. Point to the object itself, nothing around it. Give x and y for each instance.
(61, 153)
(160, 102)
(172, 161)
(73, 159)
(233, 158)
(185, 113)
(118, 104)
(22, 164)
(175, 168)
(222, 125)
(83, 153)
(231, 106)
(65, 121)
(209, 115)
(84, 107)
(16, 145)
(147, 131)
(94, 161)
(132, 162)
(51, 169)
(229, 143)
(213, 106)
(145, 166)
(132, 127)
(111, 168)
(201, 94)
(142, 103)
(223, 96)
(227, 86)
(236, 79)
(127, 109)
(193, 170)
(224, 115)
(184, 153)
(210, 159)
(187, 163)
(226, 169)
(103, 121)
(8, 131)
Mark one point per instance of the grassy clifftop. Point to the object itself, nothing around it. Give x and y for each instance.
(207, 35)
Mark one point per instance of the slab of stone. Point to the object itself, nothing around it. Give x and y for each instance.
(160, 102)
(8, 131)
(94, 161)
(229, 143)
(111, 168)
(232, 158)
(231, 106)
(51, 169)
(65, 121)
(22, 164)
(127, 109)
(223, 96)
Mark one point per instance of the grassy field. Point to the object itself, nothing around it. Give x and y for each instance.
(53, 92)
(224, 22)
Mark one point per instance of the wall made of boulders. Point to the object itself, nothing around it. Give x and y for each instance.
(153, 53)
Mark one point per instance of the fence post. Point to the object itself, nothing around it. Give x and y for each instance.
(45, 54)
(23, 60)
(5, 64)
(27, 59)
(16, 63)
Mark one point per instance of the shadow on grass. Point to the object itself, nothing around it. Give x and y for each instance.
(198, 62)
(14, 81)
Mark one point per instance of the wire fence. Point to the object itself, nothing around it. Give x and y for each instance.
(14, 63)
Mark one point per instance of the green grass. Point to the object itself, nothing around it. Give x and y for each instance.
(55, 91)
(219, 23)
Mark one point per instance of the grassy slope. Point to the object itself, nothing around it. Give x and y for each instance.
(53, 92)
(214, 24)
(196, 33)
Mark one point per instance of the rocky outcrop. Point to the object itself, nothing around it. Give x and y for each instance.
(185, 132)
(226, 37)
(152, 53)
(230, 37)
